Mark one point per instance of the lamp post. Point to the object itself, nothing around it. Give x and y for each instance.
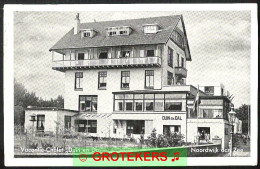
(232, 117)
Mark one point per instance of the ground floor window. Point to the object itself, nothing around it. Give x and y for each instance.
(204, 133)
(168, 129)
(40, 122)
(86, 126)
(135, 127)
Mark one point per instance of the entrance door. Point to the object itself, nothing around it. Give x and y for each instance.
(168, 129)
(204, 133)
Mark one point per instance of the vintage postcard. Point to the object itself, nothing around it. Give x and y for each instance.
(130, 85)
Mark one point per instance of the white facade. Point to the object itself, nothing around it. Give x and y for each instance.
(166, 60)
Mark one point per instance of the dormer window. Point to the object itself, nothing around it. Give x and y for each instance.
(121, 30)
(87, 33)
(151, 28)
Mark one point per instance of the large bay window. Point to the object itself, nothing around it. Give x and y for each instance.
(149, 102)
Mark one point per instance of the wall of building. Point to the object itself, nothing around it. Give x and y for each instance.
(105, 97)
(154, 120)
(50, 119)
(166, 68)
(227, 136)
(217, 128)
(61, 117)
(104, 126)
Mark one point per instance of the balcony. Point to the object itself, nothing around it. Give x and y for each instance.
(181, 71)
(63, 65)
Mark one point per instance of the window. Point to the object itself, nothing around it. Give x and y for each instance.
(119, 102)
(135, 127)
(169, 129)
(86, 34)
(40, 122)
(123, 32)
(170, 57)
(138, 102)
(150, 28)
(149, 102)
(204, 133)
(159, 102)
(129, 102)
(172, 105)
(192, 113)
(78, 80)
(111, 33)
(149, 79)
(86, 126)
(182, 62)
(178, 60)
(102, 80)
(103, 55)
(67, 121)
(211, 113)
(80, 56)
(150, 53)
(126, 54)
(170, 79)
(88, 103)
(209, 90)
(125, 79)
(178, 38)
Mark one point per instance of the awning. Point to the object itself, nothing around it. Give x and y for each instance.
(84, 116)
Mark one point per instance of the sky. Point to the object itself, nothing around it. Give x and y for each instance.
(219, 41)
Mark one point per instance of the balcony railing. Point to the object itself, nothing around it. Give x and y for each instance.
(181, 71)
(107, 63)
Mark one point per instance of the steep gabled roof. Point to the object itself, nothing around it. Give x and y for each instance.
(137, 36)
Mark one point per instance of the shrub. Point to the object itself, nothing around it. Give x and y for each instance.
(164, 140)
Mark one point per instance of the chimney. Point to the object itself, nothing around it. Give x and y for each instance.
(77, 25)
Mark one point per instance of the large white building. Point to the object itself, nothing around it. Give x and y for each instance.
(124, 78)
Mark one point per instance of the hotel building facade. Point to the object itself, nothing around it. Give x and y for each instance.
(125, 78)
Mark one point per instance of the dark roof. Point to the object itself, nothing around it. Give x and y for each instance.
(148, 92)
(210, 97)
(137, 37)
(49, 108)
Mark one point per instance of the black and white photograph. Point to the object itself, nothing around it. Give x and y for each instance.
(158, 79)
